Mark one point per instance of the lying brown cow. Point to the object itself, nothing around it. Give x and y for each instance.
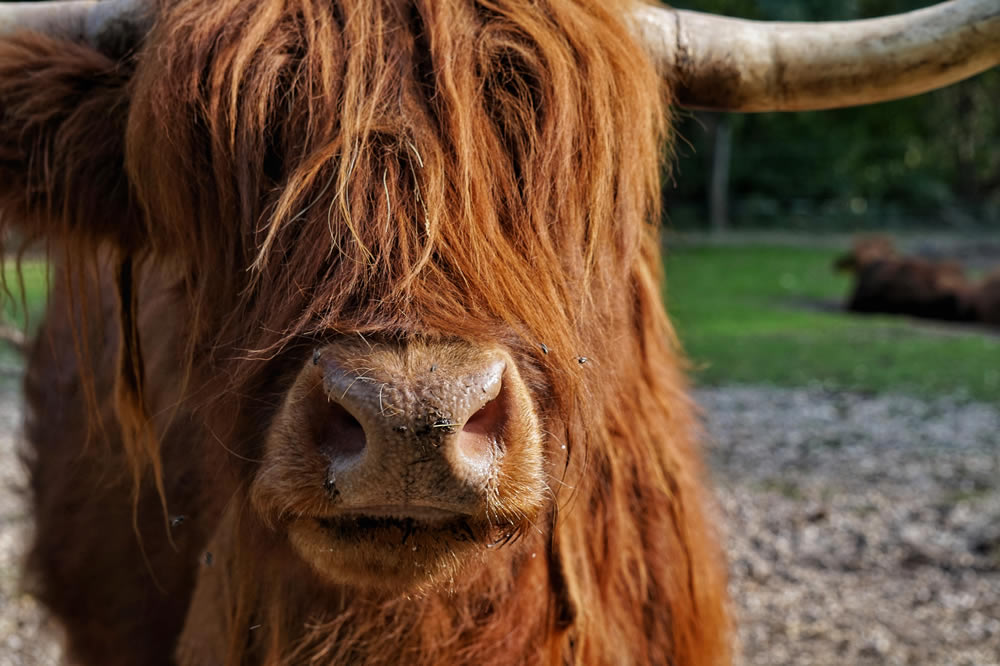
(356, 352)
(887, 282)
(987, 298)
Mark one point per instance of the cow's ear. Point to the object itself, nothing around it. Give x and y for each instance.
(63, 111)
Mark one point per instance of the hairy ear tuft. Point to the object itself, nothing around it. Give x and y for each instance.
(63, 111)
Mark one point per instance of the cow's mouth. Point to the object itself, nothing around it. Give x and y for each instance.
(396, 528)
(416, 512)
(397, 552)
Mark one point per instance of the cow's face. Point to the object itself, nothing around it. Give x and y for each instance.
(413, 249)
(390, 464)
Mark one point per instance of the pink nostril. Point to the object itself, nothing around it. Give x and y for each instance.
(483, 432)
(341, 435)
(369, 417)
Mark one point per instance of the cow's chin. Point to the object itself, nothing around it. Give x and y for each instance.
(394, 554)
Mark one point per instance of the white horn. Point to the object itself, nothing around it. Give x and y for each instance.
(109, 25)
(736, 65)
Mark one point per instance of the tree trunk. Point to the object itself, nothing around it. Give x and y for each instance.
(718, 195)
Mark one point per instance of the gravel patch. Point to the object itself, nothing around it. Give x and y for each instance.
(26, 637)
(862, 530)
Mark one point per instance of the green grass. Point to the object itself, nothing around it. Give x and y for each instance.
(749, 314)
(32, 283)
(23, 303)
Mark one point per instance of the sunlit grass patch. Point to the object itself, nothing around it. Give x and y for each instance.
(26, 287)
(760, 314)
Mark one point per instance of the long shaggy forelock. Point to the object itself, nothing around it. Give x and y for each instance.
(403, 166)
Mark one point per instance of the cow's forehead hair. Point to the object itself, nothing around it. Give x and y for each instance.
(449, 166)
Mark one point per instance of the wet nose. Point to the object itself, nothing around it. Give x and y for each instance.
(412, 425)
(457, 409)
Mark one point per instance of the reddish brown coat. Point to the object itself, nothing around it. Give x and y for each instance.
(987, 298)
(264, 175)
(890, 283)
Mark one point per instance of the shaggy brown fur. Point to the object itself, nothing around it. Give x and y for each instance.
(987, 298)
(263, 177)
(887, 282)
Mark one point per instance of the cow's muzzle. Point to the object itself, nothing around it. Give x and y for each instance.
(419, 430)
(388, 448)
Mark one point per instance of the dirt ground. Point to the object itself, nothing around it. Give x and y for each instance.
(861, 530)
(26, 639)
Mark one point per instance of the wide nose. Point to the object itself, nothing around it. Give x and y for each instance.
(424, 426)
(452, 407)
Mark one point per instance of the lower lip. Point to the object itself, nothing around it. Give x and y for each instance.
(416, 513)
(390, 528)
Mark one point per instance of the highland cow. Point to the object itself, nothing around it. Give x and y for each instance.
(889, 283)
(356, 350)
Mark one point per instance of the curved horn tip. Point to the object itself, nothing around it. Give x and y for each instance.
(729, 64)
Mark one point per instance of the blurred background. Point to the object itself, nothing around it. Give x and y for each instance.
(925, 162)
(759, 205)
(855, 457)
